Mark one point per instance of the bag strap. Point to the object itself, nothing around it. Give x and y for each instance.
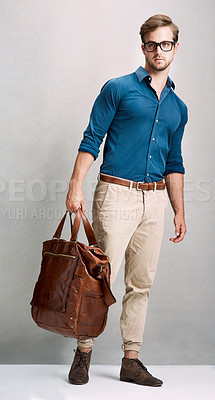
(58, 232)
(108, 295)
(75, 227)
(87, 227)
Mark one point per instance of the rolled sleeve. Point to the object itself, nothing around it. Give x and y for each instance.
(174, 162)
(102, 114)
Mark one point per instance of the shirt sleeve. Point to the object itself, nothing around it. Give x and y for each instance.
(174, 162)
(102, 114)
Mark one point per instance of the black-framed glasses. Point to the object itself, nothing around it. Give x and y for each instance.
(166, 45)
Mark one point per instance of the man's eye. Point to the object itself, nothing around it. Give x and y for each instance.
(166, 44)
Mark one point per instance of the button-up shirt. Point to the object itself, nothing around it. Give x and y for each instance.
(144, 133)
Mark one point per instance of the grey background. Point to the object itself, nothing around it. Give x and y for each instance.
(55, 57)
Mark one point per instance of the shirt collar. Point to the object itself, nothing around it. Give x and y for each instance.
(170, 83)
(143, 74)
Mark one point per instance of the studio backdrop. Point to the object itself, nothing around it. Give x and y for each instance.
(55, 57)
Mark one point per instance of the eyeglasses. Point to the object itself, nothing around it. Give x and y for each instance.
(152, 46)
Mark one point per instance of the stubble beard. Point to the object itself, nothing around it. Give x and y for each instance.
(156, 67)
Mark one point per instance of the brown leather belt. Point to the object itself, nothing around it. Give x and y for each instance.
(160, 185)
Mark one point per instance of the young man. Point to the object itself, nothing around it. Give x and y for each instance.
(144, 121)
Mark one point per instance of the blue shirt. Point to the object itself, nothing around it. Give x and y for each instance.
(144, 134)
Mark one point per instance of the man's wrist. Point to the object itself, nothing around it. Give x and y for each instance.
(75, 183)
(179, 213)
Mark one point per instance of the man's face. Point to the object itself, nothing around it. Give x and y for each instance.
(159, 60)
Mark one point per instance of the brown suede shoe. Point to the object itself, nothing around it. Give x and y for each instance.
(78, 374)
(132, 370)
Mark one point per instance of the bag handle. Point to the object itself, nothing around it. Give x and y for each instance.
(58, 232)
(75, 227)
(87, 227)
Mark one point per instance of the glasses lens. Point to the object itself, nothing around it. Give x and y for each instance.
(150, 46)
(166, 46)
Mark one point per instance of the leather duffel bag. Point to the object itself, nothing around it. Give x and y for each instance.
(72, 293)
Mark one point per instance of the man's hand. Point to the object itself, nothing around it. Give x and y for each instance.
(180, 228)
(75, 199)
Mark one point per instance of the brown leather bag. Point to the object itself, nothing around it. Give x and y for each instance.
(72, 294)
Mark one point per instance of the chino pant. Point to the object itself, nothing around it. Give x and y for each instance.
(130, 222)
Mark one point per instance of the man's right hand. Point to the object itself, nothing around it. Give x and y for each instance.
(75, 199)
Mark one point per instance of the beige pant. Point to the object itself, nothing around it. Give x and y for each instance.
(130, 222)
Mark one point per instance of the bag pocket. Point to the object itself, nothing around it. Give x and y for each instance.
(93, 309)
(52, 288)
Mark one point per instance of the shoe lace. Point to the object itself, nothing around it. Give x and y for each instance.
(141, 366)
(82, 359)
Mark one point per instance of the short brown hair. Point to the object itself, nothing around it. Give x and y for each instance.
(156, 21)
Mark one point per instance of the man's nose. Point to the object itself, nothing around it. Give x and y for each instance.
(158, 50)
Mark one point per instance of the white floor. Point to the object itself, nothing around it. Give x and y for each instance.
(49, 382)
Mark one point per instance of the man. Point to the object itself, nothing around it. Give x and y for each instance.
(144, 120)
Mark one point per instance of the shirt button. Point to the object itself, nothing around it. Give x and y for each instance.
(153, 138)
(147, 174)
(156, 120)
(150, 156)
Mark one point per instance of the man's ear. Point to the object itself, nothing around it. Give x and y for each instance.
(176, 47)
(142, 47)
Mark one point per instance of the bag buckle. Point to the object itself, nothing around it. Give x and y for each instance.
(97, 269)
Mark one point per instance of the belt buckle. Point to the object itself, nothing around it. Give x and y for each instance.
(137, 188)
